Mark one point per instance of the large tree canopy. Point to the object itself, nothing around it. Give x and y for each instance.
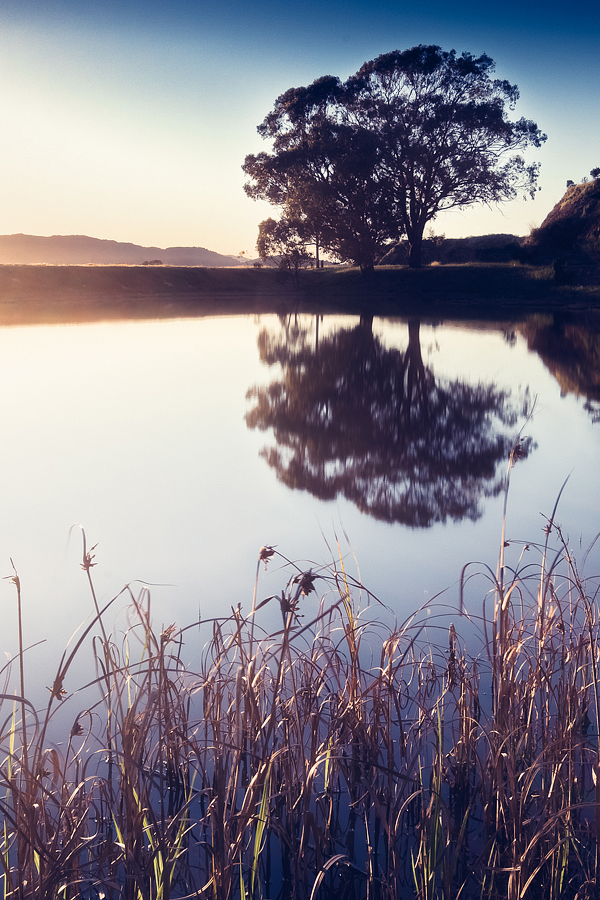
(413, 133)
(325, 172)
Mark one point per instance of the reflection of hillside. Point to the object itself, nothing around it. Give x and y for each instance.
(570, 349)
(352, 417)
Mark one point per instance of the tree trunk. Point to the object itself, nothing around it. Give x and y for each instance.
(367, 270)
(414, 254)
(415, 243)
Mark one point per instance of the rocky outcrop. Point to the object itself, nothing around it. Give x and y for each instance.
(571, 232)
(568, 239)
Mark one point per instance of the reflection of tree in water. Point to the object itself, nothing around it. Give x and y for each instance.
(352, 417)
(570, 348)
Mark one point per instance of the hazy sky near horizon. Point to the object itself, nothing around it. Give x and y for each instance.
(130, 120)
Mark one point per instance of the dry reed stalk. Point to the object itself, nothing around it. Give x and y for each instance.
(289, 765)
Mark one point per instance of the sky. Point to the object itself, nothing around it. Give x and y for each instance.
(130, 120)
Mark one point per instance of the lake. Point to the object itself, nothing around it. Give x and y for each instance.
(182, 446)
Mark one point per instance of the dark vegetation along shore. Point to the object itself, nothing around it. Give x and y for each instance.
(331, 758)
(88, 293)
(557, 268)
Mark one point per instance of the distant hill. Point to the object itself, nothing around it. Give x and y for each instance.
(572, 229)
(78, 249)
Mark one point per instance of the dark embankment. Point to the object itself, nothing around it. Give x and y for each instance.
(484, 291)
(571, 231)
(30, 294)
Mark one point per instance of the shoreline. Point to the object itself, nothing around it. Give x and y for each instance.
(43, 294)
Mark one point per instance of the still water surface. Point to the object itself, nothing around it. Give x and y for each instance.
(166, 443)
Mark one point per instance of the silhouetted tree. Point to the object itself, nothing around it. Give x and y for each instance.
(324, 173)
(284, 242)
(351, 417)
(412, 134)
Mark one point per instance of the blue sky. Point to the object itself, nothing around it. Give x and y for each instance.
(131, 120)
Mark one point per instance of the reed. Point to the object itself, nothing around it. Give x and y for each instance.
(329, 758)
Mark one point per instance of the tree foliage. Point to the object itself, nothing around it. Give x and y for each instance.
(285, 242)
(411, 134)
(324, 172)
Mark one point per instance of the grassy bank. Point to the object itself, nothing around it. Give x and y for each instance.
(484, 290)
(332, 758)
(82, 293)
(32, 294)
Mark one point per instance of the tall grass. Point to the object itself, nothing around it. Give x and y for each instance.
(329, 758)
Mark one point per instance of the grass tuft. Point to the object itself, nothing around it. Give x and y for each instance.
(290, 765)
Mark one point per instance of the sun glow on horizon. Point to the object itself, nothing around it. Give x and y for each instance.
(132, 125)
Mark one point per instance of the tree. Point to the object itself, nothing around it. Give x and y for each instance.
(412, 134)
(324, 173)
(447, 139)
(373, 424)
(285, 242)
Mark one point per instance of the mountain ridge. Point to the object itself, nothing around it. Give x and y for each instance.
(80, 249)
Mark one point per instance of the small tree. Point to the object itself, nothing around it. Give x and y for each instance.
(595, 173)
(283, 242)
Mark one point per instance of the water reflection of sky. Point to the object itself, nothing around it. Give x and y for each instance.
(137, 431)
